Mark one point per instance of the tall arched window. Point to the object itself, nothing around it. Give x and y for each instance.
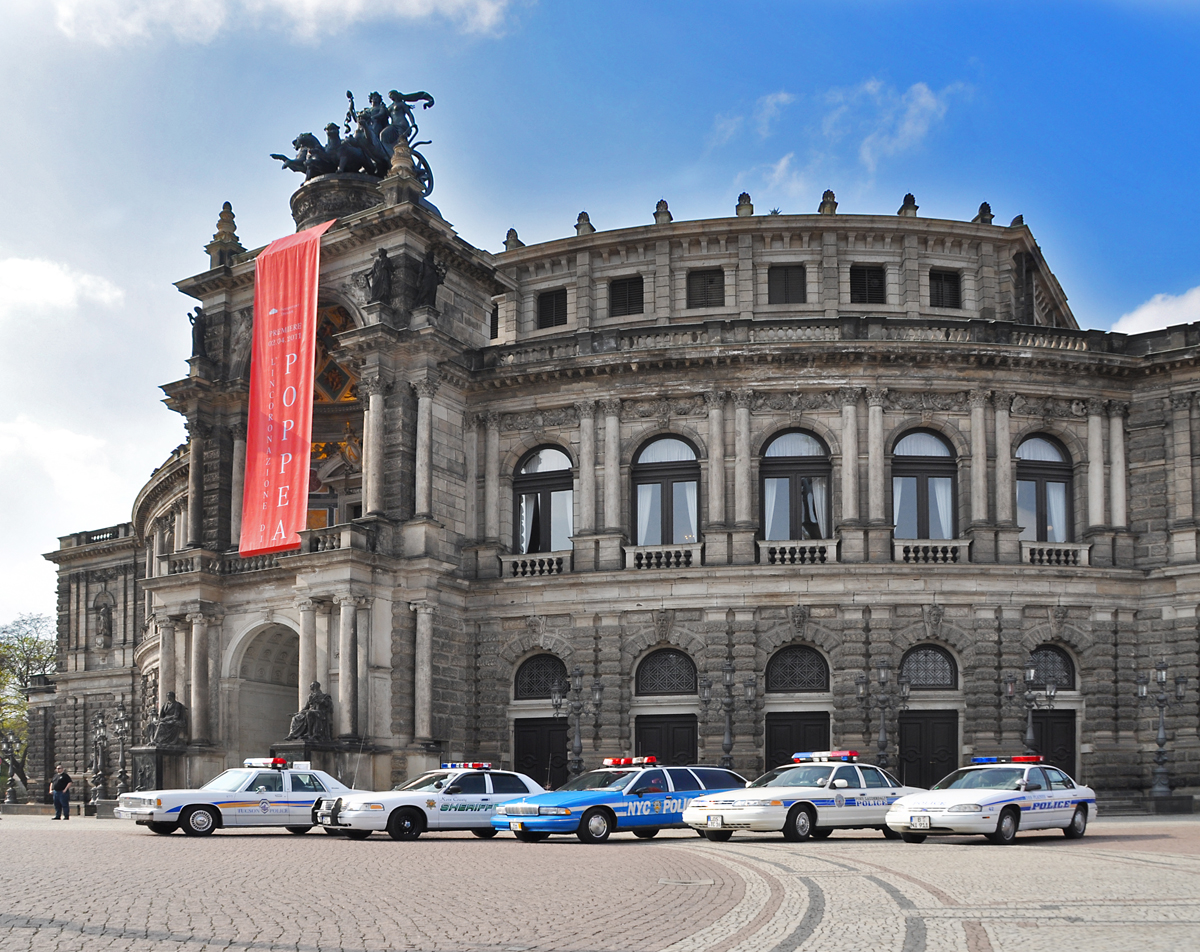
(924, 477)
(666, 477)
(929, 668)
(666, 671)
(1043, 490)
(543, 502)
(795, 488)
(797, 668)
(1053, 664)
(537, 676)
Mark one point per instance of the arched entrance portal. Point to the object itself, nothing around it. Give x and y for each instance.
(265, 690)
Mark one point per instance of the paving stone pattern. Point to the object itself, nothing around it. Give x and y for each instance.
(97, 885)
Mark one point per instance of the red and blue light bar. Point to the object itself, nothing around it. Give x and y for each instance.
(808, 756)
(630, 761)
(467, 766)
(1022, 759)
(277, 762)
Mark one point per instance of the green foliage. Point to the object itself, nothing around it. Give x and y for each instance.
(27, 649)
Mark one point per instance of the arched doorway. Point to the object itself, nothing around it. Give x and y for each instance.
(266, 690)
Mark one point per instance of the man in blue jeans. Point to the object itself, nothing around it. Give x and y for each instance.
(60, 786)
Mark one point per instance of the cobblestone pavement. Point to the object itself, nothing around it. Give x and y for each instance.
(104, 884)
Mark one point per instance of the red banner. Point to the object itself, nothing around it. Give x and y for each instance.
(279, 428)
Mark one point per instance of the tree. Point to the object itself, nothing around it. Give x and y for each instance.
(27, 649)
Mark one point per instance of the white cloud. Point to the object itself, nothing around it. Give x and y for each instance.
(724, 128)
(768, 108)
(1162, 310)
(784, 177)
(112, 22)
(34, 284)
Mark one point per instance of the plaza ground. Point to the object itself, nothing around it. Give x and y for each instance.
(1131, 883)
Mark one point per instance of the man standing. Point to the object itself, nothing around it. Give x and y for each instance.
(60, 786)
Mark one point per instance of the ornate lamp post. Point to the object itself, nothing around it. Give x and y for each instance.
(885, 699)
(99, 747)
(1030, 699)
(728, 703)
(121, 727)
(577, 708)
(1161, 786)
(8, 751)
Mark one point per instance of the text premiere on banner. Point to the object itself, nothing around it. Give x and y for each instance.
(279, 428)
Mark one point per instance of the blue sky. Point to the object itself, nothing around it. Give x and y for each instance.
(129, 122)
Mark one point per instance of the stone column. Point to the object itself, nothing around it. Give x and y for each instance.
(879, 524)
(745, 525)
(167, 664)
(471, 459)
(198, 716)
(980, 532)
(362, 628)
(1118, 477)
(612, 464)
(716, 456)
(1008, 543)
(179, 526)
(347, 666)
(308, 647)
(198, 433)
(373, 430)
(324, 644)
(587, 465)
(237, 488)
(1183, 526)
(491, 478)
(1095, 464)
(853, 537)
(423, 673)
(426, 389)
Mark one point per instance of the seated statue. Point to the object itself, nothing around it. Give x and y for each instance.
(169, 729)
(314, 721)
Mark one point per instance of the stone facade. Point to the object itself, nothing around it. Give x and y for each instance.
(411, 602)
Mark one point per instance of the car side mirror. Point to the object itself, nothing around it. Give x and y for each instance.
(1033, 785)
(449, 791)
(437, 785)
(260, 789)
(841, 784)
(749, 783)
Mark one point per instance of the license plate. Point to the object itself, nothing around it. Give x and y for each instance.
(716, 821)
(919, 822)
(323, 819)
(515, 825)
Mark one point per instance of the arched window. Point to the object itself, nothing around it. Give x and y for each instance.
(666, 672)
(537, 676)
(543, 502)
(795, 488)
(929, 668)
(924, 477)
(665, 481)
(797, 668)
(1053, 664)
(1043, 490)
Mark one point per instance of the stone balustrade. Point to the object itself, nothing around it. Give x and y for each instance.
(793, 552)
(931, 551)
(348, 536)
(664, 556)
(536, 565)
(1056, 553)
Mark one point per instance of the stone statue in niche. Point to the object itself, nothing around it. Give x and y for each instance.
(379, 279)
(314, 721)
(239, 344)
(104, 626)
(431, 275)
(169, 729)
(199, 322)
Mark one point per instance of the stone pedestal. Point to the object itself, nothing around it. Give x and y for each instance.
(853, 536)
(1123, 548)
(421, 537)
(612, 552)
(983, 542)
(742, 545)
(424, 316)
(321, 754)
(379, 313)
(156, 768)
(357, 764)
(879, 542)
(1008, 544)
(335, 195)
(1101, 539)
(203, 763)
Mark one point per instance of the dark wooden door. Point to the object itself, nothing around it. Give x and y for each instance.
(1054, 738)
(540, 749)
(791, 731)
(669, 737)
(928, 746)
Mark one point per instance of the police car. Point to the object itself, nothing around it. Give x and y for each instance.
(819, 792)
(630, 794)
(459, 796)
(262, 792)
(996, 797)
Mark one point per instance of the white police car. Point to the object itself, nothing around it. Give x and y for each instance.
(459, 796)
(819, 792)
(262, 792)
(996, 797)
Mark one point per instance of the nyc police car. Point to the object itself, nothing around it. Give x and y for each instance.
(995, 797)
(629, 793)
(460, 796)
(262, 792)
(819, 792)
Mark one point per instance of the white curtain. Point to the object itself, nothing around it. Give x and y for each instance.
(819, 501)
(688, 535)
(562, 520)
(529, 505)
(897, 500)
(646, 510)
(1056, 512)
(942, 499)
(770, 488)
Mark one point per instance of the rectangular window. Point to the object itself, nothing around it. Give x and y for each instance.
(941, 507)
(562, 517)
(706, 288)
(786, 285)
(868, 284)
(684, 513)
(1056, 512)
(649, 513)
(777, 515)
(1027, 509)
(552, 308)
(494, 329)
(945, 289)
(625, 296)
(904, 506)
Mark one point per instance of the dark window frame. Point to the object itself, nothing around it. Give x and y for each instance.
(552, 308)
(622, 305)
(861, 289)
(947, 290)
(780, 281)
(923, 467)
(667, 474)
(494, 323)
(795, 469)
(700, 292)
(915, 685)
(823, 688)
(1040, 472)
(659, 653)
(518, 694)
(543, 484)
(1064, 658)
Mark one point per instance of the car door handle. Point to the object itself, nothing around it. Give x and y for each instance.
(483, 799)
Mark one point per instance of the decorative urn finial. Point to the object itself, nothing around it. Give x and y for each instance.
(583, 225)
(224, 244)
(744, 207)
(828, 204)
(662, 214)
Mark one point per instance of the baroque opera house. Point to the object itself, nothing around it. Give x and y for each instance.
(713, 490)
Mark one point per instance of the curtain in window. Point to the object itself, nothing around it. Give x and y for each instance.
(530, 506)
(820, 498)
(561, 520)
(649, 528)
(685, 513)
(899, 485)
(1056, 512)
(771, 489)
(939, 491)
(1027, 509)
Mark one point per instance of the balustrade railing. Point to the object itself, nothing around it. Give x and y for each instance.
(664, 556)
(536, 565)
(805, 552)
(1056, 553)
(931, 551)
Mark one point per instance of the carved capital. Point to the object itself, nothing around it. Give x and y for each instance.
(421, 607)
(198, 430)
(877, 398)
(715, 399)
(1117, 409)
(473, 421)
(849, 396)
(978, 398)
(586, 409)
(426, 389)
(743, 398)
(372, 385)
(198, 618)
(1095, 406)
(238, 431)
(611, 408)
(1181, 401)
(1002, 400)
(492, 419)
(164, 622)
(306, 605)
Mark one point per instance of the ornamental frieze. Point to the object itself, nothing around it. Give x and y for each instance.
(539, 419)
(926, 400)
(1049, 407)
(663, 408)
(797, 400)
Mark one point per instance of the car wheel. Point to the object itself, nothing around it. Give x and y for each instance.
(331, 831)
(717, 836)
(298, 830)
(530, 836)
(163, 829)
(822, 833)
(596, 826)
(484, 833)
(199, 821)
(405, 825)
(913, 837)
(646, 834)
(356, 834)
(799, 824)
(1006, 828)
(1078, 824)
(889, 833)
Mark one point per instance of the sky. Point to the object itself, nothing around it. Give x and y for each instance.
(129, 122)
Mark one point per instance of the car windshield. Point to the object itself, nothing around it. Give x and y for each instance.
(599, 780)
(429, 781)
(797, 775)
(229, 781)
(989, 778)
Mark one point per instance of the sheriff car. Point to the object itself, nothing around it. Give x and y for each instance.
(819, 792)
(996, 797)
(628, 794)
(262, 792)
(459, 796)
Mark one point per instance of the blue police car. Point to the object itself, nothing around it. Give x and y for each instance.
(631, 794)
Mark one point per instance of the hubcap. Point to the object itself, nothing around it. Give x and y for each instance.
(200, 820)
(1007, 826)
(1078, 820)
(598, 825)
(802, 823)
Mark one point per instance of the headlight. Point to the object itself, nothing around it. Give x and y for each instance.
(554, 811)
(965, 808)
(357, 807)
(762, 803)
(502, 810)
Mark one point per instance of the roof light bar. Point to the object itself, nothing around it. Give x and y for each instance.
(810, 756)
(618, 761)
(467, 766)
(277, 762)
(1022, 759)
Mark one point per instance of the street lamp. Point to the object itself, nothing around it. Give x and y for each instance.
(1029, 698)
(1161, 786)
(99, 745)
(572, 694)
(121, 732)
(728, 703)
(884, 698)
(8, 751)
